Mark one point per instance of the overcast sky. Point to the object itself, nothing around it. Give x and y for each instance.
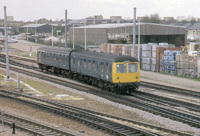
(29, 10)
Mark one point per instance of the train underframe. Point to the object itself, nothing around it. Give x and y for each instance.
(119, 88)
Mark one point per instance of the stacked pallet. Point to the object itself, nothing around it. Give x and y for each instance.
(160, 53)
(151, 57)
(146, 56)
(169, 62)
(186, 66)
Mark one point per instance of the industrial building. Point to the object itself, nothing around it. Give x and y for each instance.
(123, 33)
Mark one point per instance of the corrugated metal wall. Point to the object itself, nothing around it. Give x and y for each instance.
(149, 33)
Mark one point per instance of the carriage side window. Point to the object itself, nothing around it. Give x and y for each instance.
(102, 67)
(84, 63)
(89, 64)
(132, 68)
(110, 67)
(42, 54)
(47, 55)
(94, 66)
(106, 68)
(60, 58)
(63, 59)
(97, 65)
(74, 60)
(67, 59)
(121, 68)
(79, 62)
(50, 56)
(54, 57)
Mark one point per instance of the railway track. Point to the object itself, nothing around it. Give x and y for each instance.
(33, 127)
(166, 101)
(83, 117)
(193, 121)
(157, 130)
(142, 83)
(171, 89)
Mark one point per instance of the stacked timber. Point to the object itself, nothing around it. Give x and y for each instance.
(124, 49)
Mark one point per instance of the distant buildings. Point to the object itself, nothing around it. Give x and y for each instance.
(116, 19)
(168, 18)
(192, 28)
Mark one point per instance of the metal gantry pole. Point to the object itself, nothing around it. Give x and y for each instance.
(85, 36)
(35, 34)
(52, 33)
(139, 40)
(73, 36)
(27, 34)
(6, 42)
(65, 28)
(134, 31)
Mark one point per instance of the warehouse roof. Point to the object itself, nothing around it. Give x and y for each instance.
(34, 25)
(195, 26)
(124, 25)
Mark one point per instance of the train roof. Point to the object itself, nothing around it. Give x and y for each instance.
(61, 50)
(104, 56)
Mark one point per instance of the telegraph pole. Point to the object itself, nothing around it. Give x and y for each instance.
(134, 31)
(6, 43)
(65, 28)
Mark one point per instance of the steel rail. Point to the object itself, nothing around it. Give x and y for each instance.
(89, 119)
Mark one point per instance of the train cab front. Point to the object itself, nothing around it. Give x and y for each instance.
(126, 75)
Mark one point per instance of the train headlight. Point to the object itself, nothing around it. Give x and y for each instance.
(117, 77)
(136, 77)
